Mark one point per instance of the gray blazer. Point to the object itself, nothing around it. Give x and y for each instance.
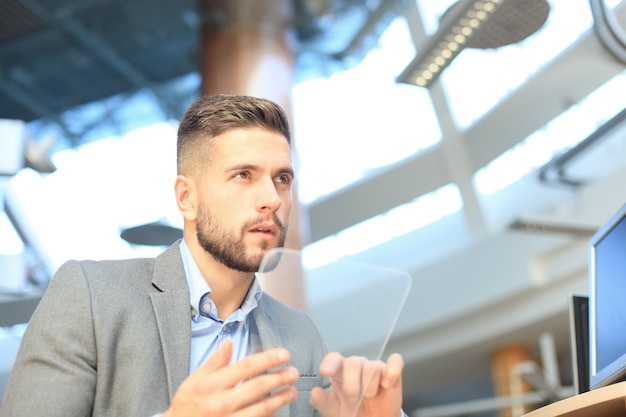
(112, 338)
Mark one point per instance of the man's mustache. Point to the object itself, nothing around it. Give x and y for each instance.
(262, 219)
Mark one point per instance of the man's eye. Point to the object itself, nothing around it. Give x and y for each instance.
(283, 179)
(243, 174)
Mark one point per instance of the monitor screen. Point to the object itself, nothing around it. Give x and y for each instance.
(607, 302)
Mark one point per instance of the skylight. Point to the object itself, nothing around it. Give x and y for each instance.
(360, 109)
(477, 80)
(399, 221)
(562, 133)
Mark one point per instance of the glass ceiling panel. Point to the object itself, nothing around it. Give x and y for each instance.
(397, 222)
(477, 80)
(361, 109)
(562, 133)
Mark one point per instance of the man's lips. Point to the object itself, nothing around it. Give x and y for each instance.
(265, 228)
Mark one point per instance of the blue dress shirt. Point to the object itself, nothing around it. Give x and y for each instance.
(207, 329)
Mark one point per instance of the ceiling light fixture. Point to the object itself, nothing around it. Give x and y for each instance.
(480, 24)
(152, 234)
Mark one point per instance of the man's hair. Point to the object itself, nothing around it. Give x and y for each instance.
(213, 115)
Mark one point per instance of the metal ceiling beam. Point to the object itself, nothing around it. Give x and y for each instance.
(29, 101)
(609, 29)
(555, 173)
(372, 28)
(328, 62)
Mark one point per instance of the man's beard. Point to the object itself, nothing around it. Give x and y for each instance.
(228, 248)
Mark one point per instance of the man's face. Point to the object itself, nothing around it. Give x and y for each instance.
(245, 197)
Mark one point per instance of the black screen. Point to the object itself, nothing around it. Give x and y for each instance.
(579, 327)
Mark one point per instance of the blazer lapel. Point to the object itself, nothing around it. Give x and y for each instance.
(173, 315)
(265, 334)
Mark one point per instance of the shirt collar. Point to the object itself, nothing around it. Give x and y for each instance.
(198, 287)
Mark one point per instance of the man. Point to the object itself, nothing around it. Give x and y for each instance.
(190, 333)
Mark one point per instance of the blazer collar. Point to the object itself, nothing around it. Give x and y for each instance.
(173, 315)
(169, 274)
(264, 333)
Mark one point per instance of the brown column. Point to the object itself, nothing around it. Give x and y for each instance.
(244, 50)
(506, 381)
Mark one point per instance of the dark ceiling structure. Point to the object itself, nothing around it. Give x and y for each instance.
(65, 54)
(60, 54)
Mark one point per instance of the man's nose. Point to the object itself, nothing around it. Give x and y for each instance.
(268, 198)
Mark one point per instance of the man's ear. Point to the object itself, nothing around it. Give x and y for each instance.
(186, 196)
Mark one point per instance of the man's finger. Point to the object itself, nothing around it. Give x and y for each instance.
(372, 375)
(353, 378)
(253, 365)
(320, 400)
(255, 389)
(269, 405)
(220, 358)
(331, 364)
(392, 373)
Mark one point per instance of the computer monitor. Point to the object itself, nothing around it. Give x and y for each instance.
(607, 302)
(579, 339)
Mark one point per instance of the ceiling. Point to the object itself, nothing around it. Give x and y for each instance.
(60, 54)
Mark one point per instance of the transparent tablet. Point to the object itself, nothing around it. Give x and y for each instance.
(355, 306)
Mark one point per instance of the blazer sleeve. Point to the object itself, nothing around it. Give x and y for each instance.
(55, 370)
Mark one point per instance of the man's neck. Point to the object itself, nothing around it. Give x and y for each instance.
(228, 287)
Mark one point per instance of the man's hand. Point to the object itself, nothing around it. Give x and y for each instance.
(359, 387)
(219, 389)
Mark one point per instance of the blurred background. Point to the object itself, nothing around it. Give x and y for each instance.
(475, 145)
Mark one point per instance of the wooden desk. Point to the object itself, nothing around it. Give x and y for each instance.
(609, 401)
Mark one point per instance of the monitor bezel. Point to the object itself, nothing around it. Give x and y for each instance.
(616, 370)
